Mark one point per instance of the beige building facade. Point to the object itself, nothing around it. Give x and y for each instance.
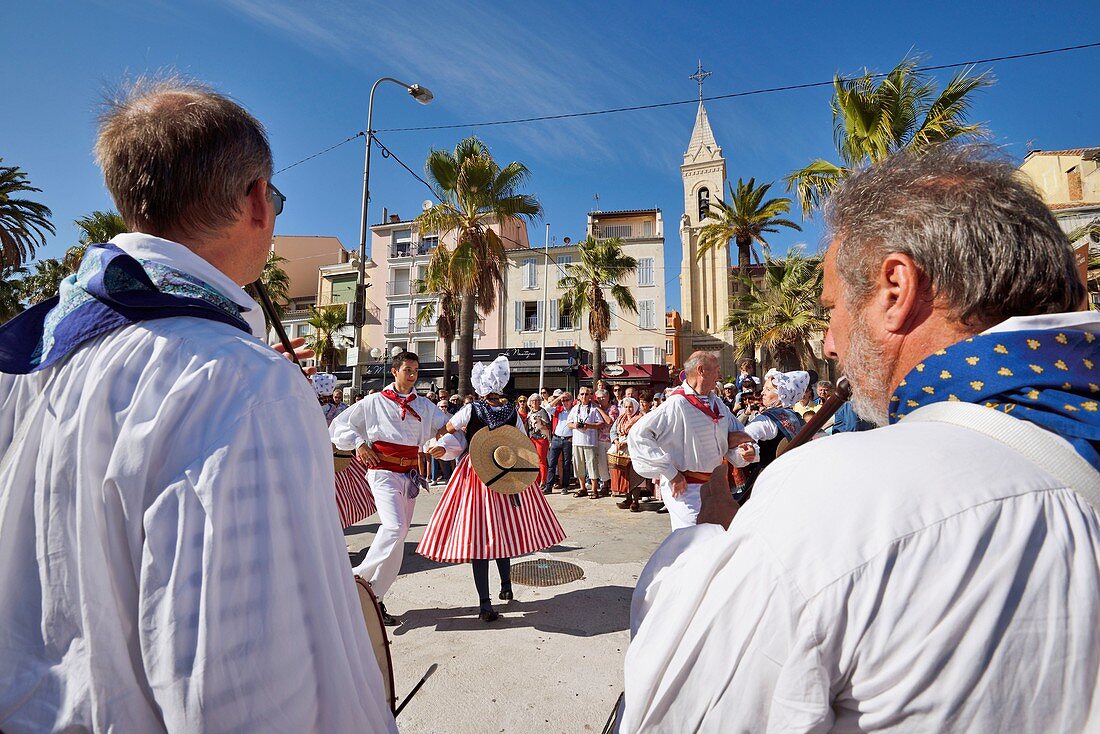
(1069, 182)
(635, 338)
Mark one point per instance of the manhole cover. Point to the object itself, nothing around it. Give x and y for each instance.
(544, 572)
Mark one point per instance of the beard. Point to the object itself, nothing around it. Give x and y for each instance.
(867, 370)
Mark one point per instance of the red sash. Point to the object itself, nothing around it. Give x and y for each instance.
(693, 398)
(402, 401)
(396, 457)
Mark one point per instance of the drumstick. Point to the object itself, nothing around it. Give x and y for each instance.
(416, 688)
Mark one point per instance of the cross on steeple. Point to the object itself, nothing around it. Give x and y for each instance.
(699, 76)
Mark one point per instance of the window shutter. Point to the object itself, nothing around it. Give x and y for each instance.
(635, 357)
(538, 315)
(519, 316)
(613, 319)
(554, 318)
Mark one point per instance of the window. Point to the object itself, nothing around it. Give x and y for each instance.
(428, 243)
(401, 285)
(565, 342)
(304, 330)
(647, 228)
(668, 346)
(530, 344)
(611, 354)
(528, 316)
(530, 279)
(647, 314)
(428, 325)
(426, 351)
(402, 243)
(560, 320)
(399, 318)
(343, 289)
(564, 260)
(647, 355)
(704, 203)
(618, 230)
(645, 271)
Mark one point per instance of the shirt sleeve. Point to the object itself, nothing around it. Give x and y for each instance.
(461, 419)
(348, 431)
(762, 429)
(245, 545)
(737, 426)
(645, 439)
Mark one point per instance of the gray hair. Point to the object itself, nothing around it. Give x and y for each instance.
(987, 243)
(178, 156)
(697, 358)
(601, 393)
(534, 396)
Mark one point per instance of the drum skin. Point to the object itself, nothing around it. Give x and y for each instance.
(379, 640)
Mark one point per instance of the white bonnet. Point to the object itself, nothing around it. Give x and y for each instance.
(491, 377)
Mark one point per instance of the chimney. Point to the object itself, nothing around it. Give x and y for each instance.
(385, 215)
(395, 218)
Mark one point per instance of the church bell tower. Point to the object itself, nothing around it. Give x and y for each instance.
(705, 283)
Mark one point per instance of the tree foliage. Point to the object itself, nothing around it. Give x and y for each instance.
(782, 314)
(328, 334)
(744, 220)
(97, 227)
(445, 311)
(474, 193)
(602, 265)
(23, 222)
(874, 116)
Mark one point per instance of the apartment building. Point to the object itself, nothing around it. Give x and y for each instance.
(636, 338)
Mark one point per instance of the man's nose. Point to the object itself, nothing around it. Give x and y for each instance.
(830, 345)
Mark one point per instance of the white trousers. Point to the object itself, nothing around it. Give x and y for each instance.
(683, 511)
(395, 509)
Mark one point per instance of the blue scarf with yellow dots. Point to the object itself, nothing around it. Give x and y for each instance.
(110, 290)
(1048, 377)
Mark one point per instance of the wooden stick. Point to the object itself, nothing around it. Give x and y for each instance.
(839, 396)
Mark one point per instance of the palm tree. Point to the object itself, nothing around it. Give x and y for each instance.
(436, 280)
(602, 263)
(872, 119)
(744, 220)
(11, 293)
(97, 227)
(45, 280)
(327, 335)
(277, 282)
(474, 193)
(23, 223)
(782, 314)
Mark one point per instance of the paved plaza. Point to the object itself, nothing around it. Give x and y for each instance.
(553, 662)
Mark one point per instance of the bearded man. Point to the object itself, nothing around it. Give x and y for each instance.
(940, 573)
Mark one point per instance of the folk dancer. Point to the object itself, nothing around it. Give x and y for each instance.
(170, 560)
(386, 430)
(938, 574)
(688, 437)
(472, 523)
(775, 423)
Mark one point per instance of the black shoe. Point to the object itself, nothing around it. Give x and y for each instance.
(388, 619)
(662, 510)
(506, 594)
(487, 616)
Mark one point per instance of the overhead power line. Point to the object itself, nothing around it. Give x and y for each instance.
(658, 105)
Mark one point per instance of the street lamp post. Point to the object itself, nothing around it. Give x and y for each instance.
(422, 95)
(545, 304)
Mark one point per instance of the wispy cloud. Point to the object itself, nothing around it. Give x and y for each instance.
(483, 64)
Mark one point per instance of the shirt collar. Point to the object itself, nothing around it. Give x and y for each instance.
(393, 386)
(147, 247)
(1080, 320)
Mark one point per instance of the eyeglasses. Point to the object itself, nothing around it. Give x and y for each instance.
(277, 198)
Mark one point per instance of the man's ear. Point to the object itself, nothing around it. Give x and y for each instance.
(258, 202)
(901, 296)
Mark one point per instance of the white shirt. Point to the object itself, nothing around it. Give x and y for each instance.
(927, 578)
(170, 552)
(377, 418)
(584, 415)
(676, 436)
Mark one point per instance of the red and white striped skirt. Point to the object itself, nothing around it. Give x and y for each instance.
(354, 499)
(472, 521)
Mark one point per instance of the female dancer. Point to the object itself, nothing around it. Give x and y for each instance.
(473, 523)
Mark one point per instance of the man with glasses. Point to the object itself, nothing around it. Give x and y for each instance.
(168, 561)
(561, 443)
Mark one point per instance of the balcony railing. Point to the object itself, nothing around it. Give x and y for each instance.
(409, 326)
(399, 288)
(411, 249)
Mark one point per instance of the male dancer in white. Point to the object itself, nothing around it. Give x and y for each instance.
(386, 430)
(681, 443)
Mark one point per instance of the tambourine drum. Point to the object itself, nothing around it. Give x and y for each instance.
(618, 460)
(379, 640)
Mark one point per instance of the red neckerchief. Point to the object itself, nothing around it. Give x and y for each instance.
(402, 401)
(693, 398)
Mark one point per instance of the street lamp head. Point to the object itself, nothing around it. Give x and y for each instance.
(423, 95)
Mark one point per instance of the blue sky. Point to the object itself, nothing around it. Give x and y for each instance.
(305, 68)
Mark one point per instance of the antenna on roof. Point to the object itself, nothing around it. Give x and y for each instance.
(597, 198)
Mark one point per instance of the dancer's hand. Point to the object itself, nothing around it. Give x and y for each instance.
(436, 452)
(678, 484)
(367, 455)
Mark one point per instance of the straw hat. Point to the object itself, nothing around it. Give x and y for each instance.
(504, 458)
